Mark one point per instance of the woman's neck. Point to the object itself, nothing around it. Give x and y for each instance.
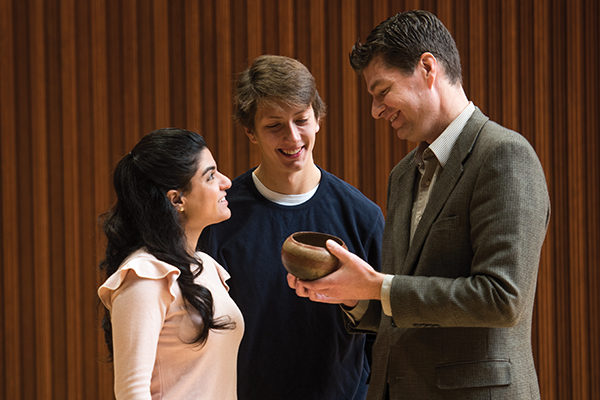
(191, 239)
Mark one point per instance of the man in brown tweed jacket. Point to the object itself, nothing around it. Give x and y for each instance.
(467, 214)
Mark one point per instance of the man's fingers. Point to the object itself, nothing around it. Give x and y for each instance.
(323, 298)
(297, 285)
(292, 280)
(337, 250)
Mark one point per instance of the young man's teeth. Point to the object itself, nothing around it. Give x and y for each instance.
(292, 152)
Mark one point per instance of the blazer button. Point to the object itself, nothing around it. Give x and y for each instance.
(393, 323)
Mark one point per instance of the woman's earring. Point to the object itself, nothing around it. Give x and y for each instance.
(180, 209)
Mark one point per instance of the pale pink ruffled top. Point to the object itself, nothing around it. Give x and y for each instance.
(152, 330)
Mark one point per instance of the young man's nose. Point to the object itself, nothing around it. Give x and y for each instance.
(292, 132)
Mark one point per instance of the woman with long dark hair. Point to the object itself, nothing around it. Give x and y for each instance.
(170, 325)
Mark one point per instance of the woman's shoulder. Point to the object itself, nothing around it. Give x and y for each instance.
(139, 265)
(211, 266)
(146, 265)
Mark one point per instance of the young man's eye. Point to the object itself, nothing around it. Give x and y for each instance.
(273, 126)
(211, 176)
(301, 121)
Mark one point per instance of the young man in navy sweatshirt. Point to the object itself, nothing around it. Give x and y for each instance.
(292, 348)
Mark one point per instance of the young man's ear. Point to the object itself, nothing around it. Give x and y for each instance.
(250, 135)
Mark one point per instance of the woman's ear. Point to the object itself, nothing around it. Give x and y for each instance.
(175, 197)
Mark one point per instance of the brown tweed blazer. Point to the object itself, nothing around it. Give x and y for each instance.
(463, 292)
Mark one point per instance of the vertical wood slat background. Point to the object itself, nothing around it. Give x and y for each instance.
(80, 82)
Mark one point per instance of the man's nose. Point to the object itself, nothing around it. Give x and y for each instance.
(377, 109)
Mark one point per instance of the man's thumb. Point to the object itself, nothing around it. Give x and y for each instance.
(335, 249)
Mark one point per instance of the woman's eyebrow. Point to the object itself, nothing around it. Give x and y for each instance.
(208, 169)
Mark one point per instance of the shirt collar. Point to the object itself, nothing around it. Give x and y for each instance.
(280, 198)
(442, 146)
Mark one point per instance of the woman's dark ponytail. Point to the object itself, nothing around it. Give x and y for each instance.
(143, 216)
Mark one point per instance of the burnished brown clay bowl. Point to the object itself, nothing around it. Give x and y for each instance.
(305, 256)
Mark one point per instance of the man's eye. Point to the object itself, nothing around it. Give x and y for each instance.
(211, 176)
(301, 121)
(272, 126)
(384, 92)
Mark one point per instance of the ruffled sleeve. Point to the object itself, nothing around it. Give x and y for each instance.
(138, 296)
(143, 265)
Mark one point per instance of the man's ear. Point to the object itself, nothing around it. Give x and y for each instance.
(250, 135)
(430, 67)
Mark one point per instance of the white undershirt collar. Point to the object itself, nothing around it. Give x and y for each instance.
(280, 198)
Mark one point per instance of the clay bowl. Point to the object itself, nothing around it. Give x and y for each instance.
(305, 256)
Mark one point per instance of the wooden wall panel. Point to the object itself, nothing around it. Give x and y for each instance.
(349, 94)
(83, 81)
(545, 317)
(10, 334)
(315, 57)
(591, 13)
(577, 191)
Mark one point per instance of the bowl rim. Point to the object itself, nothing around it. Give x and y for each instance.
(328, 235)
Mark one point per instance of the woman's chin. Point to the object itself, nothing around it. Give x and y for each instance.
(226, 215)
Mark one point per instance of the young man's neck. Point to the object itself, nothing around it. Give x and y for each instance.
(284, 182)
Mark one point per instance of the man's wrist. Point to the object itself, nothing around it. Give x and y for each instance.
(377, 282)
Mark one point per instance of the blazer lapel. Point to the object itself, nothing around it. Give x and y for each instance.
(444, 185)
(397, 226)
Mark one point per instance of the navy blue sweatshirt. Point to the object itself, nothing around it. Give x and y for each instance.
(293, 348)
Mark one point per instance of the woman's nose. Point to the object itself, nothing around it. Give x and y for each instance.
(225, 182)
